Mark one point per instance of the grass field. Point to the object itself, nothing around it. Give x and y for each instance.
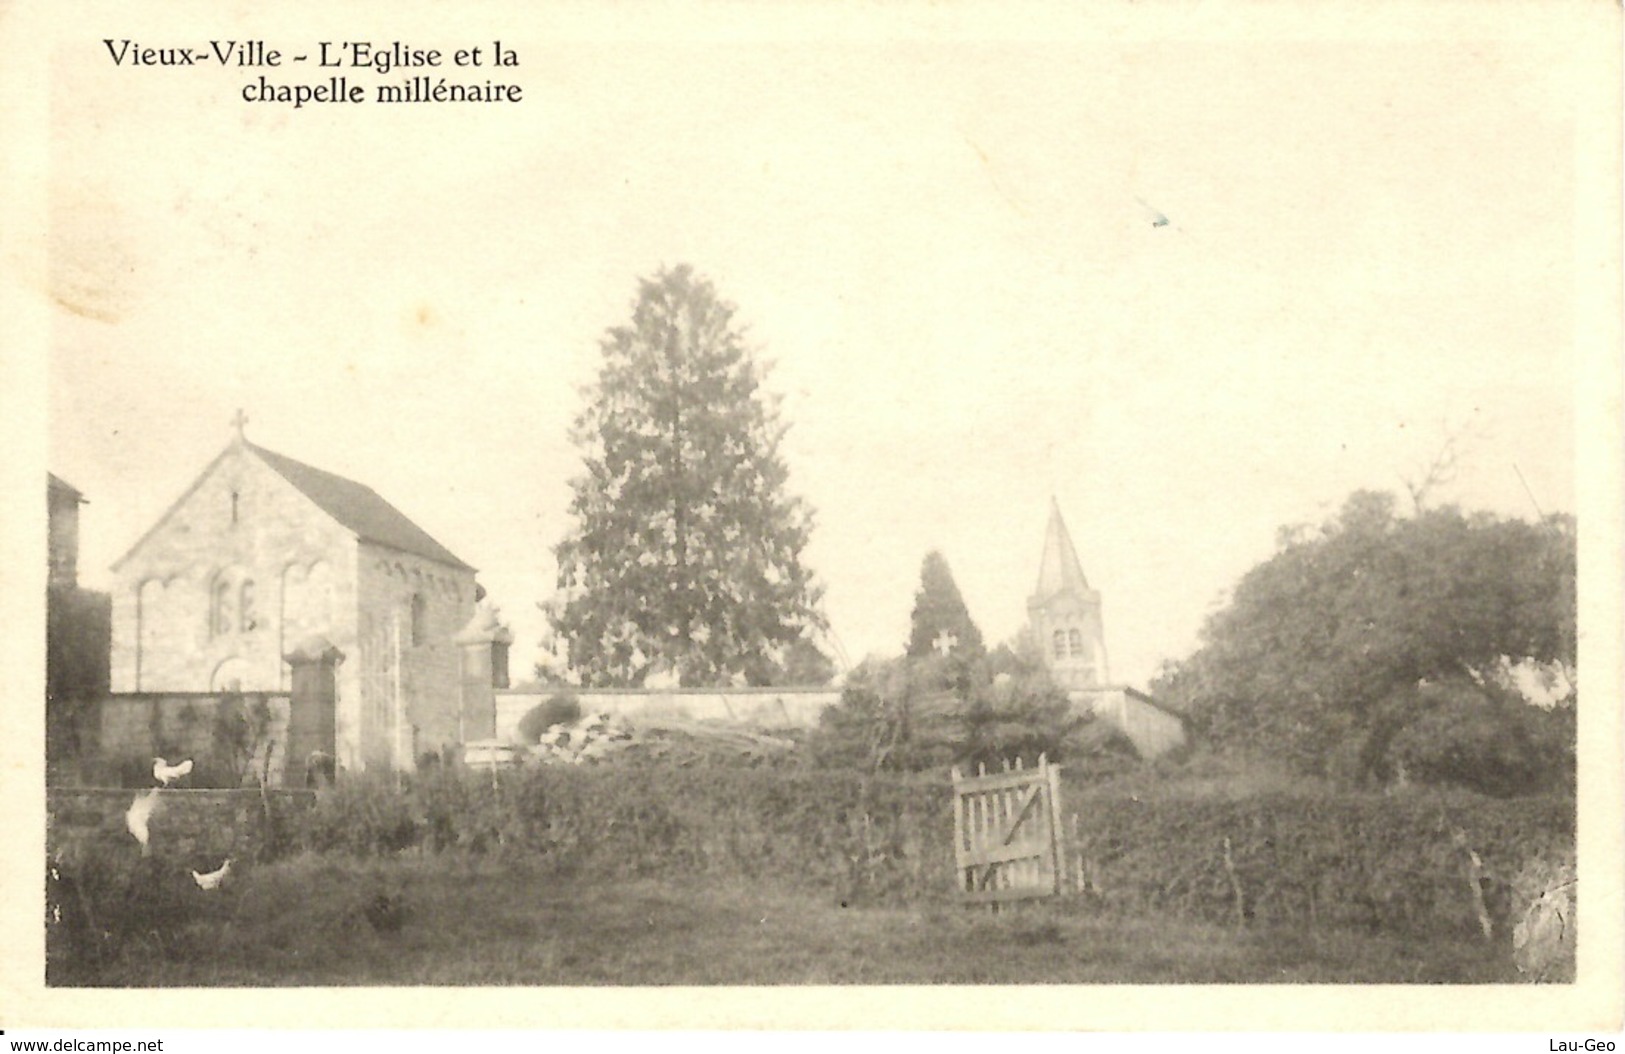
(476, 922)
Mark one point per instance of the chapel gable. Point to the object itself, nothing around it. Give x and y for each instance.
(201, 595)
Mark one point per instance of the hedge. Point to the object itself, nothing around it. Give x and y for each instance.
(1384, 863)
(1397, 863)
(1401, 864)
(840, 832)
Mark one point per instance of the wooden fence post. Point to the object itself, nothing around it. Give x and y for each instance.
(1052, 784)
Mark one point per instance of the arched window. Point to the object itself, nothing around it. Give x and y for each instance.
(1075, 639)
(420, 629)
(245, 606)
(1059, 641)
(220, 608)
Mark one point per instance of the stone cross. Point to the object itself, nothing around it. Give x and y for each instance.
(945, 642)
(237, 421)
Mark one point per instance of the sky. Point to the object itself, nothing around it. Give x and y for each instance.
(944, 238)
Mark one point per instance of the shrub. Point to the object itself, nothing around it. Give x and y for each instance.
(240, 742)
(926, 713)
(362, 815)
(560, 709)
(1022, 714)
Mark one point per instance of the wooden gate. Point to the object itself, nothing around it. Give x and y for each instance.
(1007, 838)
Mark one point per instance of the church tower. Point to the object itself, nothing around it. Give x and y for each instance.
(1064, 613)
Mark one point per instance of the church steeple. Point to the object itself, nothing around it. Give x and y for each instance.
(1064, 612)
(1059, 571)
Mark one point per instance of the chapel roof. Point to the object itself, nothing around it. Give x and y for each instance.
(357, 507)
(60, 487)
(1059, 570)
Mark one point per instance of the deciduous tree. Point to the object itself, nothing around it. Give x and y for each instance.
(1332, 647)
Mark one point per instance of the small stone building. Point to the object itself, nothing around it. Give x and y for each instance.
(262, 552)
(77, 629)
(63, 501)
(1064, 616)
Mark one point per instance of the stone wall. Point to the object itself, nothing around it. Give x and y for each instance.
(198, 828)
(762, 708)
(1153, 730)
(128, 731)
(172, 631)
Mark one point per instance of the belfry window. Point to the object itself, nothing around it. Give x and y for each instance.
(1075, 639)
(1059, 641)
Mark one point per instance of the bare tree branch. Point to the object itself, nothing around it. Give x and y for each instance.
(1441, 471)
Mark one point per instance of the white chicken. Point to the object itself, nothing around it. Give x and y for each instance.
(139, 815)
(213, 879)
(166, 773)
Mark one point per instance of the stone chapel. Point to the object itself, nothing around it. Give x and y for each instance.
(263, 552)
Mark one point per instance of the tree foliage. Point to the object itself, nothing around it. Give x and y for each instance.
(241, 737)
(78, 640)
(940, 619)
(1484, 738)
(1345, 638)
(805, 665)
(686, 552)
(909, 714)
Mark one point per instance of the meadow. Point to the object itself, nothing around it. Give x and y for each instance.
(308, 921)
(654, 875)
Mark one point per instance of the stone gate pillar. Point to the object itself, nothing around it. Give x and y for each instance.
(312, 720)
(483, 649)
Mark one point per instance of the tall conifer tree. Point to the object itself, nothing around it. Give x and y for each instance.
(686, 551)
(941, 623)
